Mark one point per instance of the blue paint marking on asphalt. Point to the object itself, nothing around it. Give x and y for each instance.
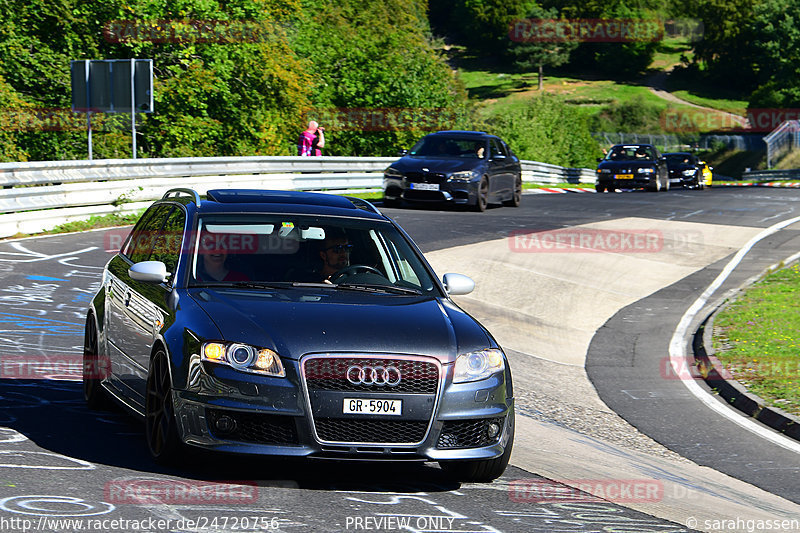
(39, 326)
(44, 278)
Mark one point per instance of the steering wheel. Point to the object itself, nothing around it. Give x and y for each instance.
(353, 269)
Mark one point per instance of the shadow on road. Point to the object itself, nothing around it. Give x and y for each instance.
(54, 417)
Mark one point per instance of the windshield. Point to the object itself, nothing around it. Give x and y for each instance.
(630, 153)
(677, 159)
(439, 146)
(291, 250)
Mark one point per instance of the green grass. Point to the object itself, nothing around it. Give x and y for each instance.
(695, 88)
(670, 52)
(758, 342)
(789, 161)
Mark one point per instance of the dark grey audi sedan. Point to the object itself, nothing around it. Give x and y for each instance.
(295, 324)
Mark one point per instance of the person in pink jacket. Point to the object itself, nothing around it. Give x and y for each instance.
(311, 141)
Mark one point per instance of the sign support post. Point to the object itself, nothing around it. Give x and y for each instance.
(133, 106)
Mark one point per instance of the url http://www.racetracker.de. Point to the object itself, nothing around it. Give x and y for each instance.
(146, 525)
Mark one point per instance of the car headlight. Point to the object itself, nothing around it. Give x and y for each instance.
(646, 170)
(604, 170)
(689, 172)
(244, 357)
(478, 365)
(392, 173)
(461, 176)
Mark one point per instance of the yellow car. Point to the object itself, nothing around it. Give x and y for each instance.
(707, 174)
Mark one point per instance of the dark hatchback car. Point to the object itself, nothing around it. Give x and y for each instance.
(632, 166)
(685, 170)
(459, 167)
(295, 324)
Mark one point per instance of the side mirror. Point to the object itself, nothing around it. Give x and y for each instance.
(599, 159)
(498, 157)
(457, 284)
(149, 271)
(402, 152)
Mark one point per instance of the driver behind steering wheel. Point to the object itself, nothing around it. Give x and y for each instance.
(335, 254)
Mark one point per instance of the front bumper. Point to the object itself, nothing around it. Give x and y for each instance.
(455, 192)
(283, 417)
(638, 181)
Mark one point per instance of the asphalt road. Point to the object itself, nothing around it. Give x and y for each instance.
(59, 460)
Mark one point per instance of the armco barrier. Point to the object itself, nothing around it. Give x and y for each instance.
(772, 175)
(39, 195)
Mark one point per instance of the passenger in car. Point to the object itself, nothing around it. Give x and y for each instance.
(213, 266)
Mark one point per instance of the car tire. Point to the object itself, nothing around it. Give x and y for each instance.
(93, 392)
(666, 186)
(160, 426)
(391, 202)
(516, 197)
(482, 197)
(483, 470)
(600, 188)
(655, 186)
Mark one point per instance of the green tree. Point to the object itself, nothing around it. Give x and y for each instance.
(533, 53)
(483, 25)
(378, 82)
(726, 48)
(774, 37)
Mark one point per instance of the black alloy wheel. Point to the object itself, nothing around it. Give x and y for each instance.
(516, 198)
(160, 427)
(483, 196)
(93, 370)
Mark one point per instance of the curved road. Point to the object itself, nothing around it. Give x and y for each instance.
(60, 461)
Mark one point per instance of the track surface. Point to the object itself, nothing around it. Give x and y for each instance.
(53, 448)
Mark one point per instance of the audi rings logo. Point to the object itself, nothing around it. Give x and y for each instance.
(373, 375)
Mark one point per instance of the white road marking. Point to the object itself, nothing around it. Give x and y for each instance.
(677, 347)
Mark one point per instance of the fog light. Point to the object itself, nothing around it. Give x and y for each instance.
(493, 429)
(225, 424)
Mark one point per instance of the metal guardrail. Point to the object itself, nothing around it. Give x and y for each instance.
(772, 175)
(38, 195)
(782, 139)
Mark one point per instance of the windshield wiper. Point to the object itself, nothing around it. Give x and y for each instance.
(377, 288)
(244, 284)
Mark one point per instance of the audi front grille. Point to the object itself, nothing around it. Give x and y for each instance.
(417, 377)
(330, 380)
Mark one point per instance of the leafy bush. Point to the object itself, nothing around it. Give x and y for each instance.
(546, 129)
(631, 115)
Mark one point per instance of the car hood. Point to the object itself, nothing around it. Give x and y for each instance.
(294, 322)
(443, 165)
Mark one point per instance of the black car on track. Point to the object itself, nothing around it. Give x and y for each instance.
(295, 324)
(458, 167)
(632, 166)
(685, 170)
